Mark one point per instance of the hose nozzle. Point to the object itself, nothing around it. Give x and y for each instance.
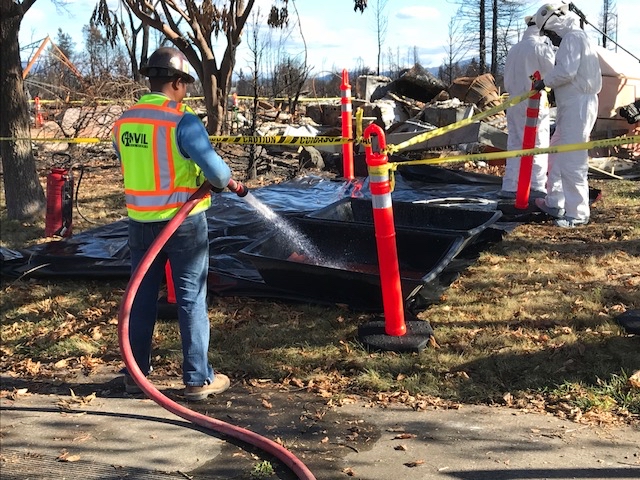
(237, 188)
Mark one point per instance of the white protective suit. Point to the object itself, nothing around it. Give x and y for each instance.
(532, 53)
(576, 80)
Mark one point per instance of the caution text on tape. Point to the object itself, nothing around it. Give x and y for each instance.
(240, 140)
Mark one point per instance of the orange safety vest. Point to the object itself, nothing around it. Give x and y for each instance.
(158, 179)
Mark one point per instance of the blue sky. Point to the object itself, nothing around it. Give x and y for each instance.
(336, 36)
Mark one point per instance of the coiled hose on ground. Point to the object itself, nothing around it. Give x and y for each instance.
(150, 390)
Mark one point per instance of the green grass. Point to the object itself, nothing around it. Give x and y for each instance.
(262, 469)
(530, 324)
(614, 394)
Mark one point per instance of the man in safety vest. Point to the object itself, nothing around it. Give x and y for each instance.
(165, 154)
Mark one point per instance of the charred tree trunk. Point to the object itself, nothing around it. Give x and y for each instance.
(23, 192)
(482, 46)
(132, 44)
(494, 37)
(212, 97)
(252, 168)
(224, 76)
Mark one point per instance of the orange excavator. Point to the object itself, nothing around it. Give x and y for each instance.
(60, 54)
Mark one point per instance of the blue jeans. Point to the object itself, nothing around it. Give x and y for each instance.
(188, 253)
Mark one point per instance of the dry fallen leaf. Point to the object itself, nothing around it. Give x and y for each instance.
(67, 457)
(297, 382)
(634, 380)
(61, 363)
(82, 437)
(508, 399)
(96, 334)
(15, 393)
(352, 437)
(414, 463)
(76, 400)
(349, 471)
(402, 436)
(402, 448)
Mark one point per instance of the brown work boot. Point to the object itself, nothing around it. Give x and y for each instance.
(220, 384)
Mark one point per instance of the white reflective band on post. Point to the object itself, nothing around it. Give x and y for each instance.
(531, 122)
(347, 107)
(381, 201)
(378, 178)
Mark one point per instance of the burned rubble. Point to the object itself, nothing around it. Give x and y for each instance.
(414, 103)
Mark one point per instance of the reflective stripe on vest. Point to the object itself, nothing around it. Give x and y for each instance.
(158, 178)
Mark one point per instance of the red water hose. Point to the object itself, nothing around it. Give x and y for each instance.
(152, 392)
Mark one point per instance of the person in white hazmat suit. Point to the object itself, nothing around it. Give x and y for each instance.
(576, 80)
(532, 53)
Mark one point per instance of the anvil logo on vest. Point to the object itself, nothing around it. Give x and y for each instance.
(129, 139)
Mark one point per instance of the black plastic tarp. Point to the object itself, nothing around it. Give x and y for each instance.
(234, 224)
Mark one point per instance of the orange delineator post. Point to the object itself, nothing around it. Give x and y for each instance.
(347, 127)
(380, 187)
(171, 290)
(528, 141)
(37, 113)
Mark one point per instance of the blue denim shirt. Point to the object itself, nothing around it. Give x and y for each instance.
(193, 142)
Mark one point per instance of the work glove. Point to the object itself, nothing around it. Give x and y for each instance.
(538, 85)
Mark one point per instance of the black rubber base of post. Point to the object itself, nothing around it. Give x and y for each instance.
(630, 321)
(166, 310)
(373, 336)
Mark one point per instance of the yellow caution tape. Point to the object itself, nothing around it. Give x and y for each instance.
(606, 142)
(359, 117)
(378, 170)
(187, 99)
(278, 140)
(454, 126)
(239, 140)
(78, 102)
(384, 170)
(61, 140)
(300, 100)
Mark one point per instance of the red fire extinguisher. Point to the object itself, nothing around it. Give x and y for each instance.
(59, 217)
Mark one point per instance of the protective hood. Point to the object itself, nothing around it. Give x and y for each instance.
(562, 24)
